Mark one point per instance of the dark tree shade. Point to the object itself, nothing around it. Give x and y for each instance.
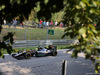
(51, 6)
(22, 8)
(13, 8)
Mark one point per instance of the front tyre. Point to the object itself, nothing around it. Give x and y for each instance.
(13, 55)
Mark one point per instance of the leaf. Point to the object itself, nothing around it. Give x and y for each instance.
(85, 1)
(96, 71)
(78, 7)
(84, 35)
(88, 51)
(97, 67)
(92, 10)
(82, 46)
(82, 31)
(94, 31)
(89, 19)
(94, 2)
(97, 2)
(97, 58)
(2, 7)
(82, 4)
(73, 55)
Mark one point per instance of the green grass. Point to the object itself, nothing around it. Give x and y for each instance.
(58, 47)
(34, 33)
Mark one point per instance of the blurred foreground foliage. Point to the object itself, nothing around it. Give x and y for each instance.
(80, 16)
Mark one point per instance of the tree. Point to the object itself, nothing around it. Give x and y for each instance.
(81, 14)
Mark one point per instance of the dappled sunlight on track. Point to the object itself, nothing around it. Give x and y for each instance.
(9, 68)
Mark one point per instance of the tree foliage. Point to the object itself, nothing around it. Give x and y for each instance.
(81, 14)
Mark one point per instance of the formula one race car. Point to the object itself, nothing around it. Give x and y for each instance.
(23, 54)
(43, 51)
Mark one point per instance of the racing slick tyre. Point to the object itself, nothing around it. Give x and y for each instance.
(36, 54)
(54, 53)
(13, 55)
(27, 55)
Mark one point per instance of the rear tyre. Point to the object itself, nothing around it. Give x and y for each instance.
(36, 54)
(54, 53)
(27, 55)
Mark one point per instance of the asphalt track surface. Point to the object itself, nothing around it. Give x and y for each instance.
(49, 65)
